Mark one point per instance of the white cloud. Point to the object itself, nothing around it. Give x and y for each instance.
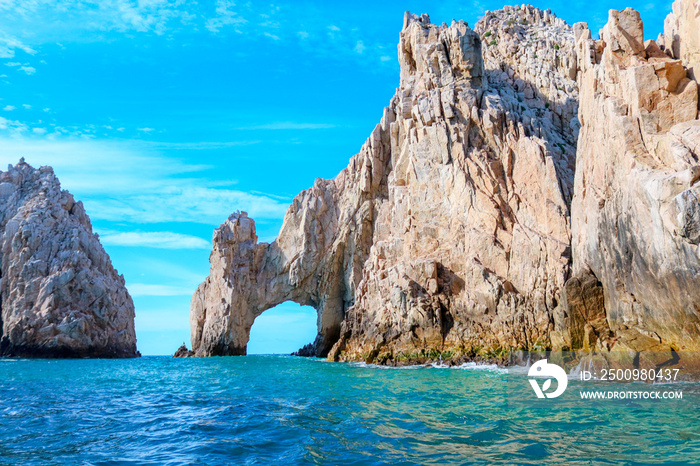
(63, 23)
(47, 110)
(225, 16)
(14, 128)
(9, 108)
(360, 47)
(141, 289)
(288, 125)
(132, 182)
(145, 130)
(8, 46)
(27, 106)
(156, 239)
(197, 204)
(13, 63)
(39, 130)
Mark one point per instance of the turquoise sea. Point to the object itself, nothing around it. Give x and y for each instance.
(286, 410)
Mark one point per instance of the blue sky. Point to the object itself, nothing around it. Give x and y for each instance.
(165, 116)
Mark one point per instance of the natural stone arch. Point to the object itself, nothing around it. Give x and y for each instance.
(447, 233)
(313, 262)
(284, 329)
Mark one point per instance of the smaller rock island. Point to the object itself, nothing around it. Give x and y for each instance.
(60, 295)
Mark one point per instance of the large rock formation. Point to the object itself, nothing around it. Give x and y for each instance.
(449, 231)
(635, 212)
(59, 293)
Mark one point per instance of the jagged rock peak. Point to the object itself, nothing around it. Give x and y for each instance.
(635, 212)
(60, 295)
(534, 51)
(434, 56)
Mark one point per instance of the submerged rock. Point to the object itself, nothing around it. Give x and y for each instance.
(59, 293)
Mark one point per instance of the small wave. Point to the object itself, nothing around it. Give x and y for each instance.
(472, 366)
(436, 365)
(381, 366)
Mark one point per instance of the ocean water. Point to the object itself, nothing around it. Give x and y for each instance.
(287, 410)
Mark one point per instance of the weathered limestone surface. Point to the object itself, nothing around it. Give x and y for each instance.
(681, 37)
(59, 293)
(449, 231)
(635, 213)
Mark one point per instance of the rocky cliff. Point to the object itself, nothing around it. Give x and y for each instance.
(635, 213)
(460, 230)
(59, 293)
(449, 231)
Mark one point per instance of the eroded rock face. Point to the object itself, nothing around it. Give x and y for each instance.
(59, 293)
(635, 213)
(448, 232)
(681, 37)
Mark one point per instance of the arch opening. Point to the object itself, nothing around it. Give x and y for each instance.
(283, 329)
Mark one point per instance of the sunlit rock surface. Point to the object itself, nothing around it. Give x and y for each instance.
(635, 212)
(59, 293)
(449, 231)
(460, 230)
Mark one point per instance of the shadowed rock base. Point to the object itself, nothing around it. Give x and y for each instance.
(7, 349)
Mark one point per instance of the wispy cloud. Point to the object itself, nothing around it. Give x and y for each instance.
(283, 125)
(197, 204)
(141, 289)
(155, 239)
(8, 46)
(13, 127)
(8, 108)
(131, 182)
(61, 23)
(225, 16)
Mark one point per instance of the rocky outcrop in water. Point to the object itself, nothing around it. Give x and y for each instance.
(460, 231)
(183, 352)
(635, 213)
(59, 293)
(449, 231)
